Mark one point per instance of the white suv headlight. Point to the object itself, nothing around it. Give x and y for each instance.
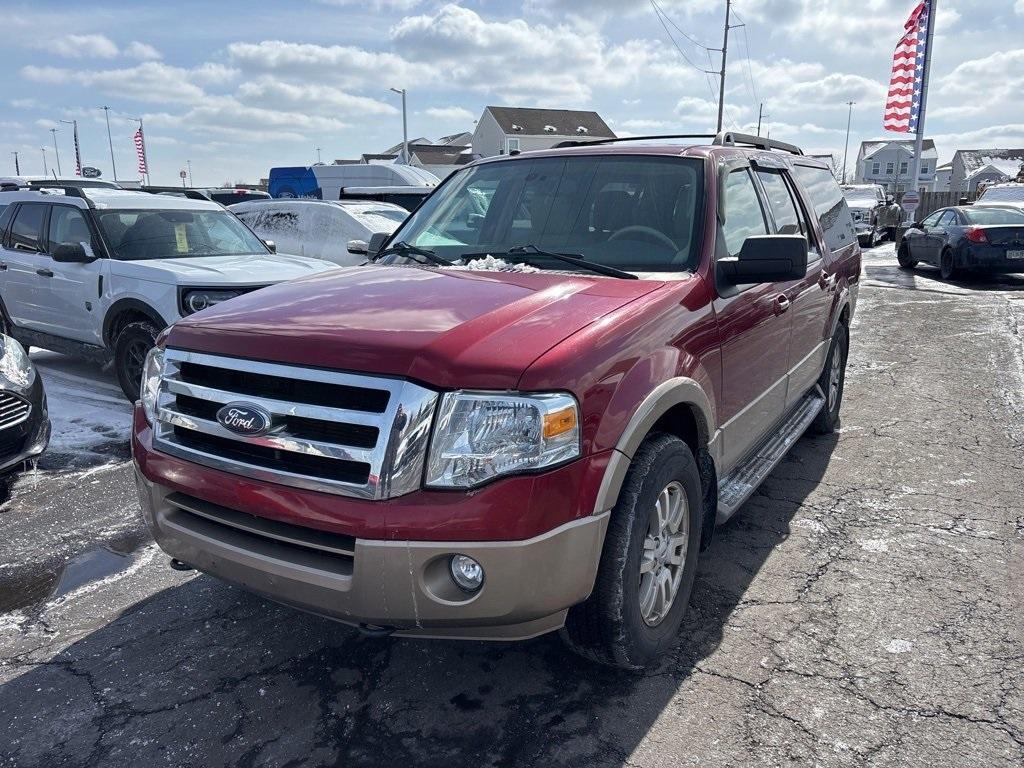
(482, 435)
(152, 370)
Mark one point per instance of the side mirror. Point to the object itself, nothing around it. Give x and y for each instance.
(271, 245)
(358, 247)
(71, 253)
(917, 225)
(377, 240)
(767, 259)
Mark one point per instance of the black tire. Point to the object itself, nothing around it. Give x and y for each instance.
(947, 267)
(827, 421)
(609, 627)
(130, 349)
(903, 257)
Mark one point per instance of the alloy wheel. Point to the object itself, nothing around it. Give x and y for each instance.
(664, 555)
(835, 376)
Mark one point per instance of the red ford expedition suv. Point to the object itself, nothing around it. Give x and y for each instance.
(528, 410)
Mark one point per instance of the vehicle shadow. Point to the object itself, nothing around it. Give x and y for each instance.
(205, 674)
(924, 277)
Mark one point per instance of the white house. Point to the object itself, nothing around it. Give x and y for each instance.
(890, 163)
(501, 130)
(972, 167)
(943, 177)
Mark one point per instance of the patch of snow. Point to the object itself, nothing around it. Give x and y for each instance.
(874, 545)
(899, 646)
(490, 264)
(961, 481)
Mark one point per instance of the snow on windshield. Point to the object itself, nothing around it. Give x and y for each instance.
(860, 198)
(376, 217)
(1014, 194)
(490, 264)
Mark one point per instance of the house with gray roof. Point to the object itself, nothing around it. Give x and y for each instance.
(889, 162)
(501, 130)
(972, 167)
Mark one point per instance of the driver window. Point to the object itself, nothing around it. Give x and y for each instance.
(948, 219)
(932, 220)
(743, 215)
(68, 227)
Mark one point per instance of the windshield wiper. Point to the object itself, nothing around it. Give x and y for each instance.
(404, 249)
(575, 259)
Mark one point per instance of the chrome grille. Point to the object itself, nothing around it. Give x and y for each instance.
(13, 410)
(342, 433)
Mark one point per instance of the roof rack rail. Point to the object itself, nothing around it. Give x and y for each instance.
(70, 189)
(731, 139)
(586, 142)
(189, 192)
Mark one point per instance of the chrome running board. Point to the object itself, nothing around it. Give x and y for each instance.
(736, 487)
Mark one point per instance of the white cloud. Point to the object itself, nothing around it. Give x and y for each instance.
(1019, 7)
(451, 114)
(141, 51)
(398, 5)
(80, 46)
(150, 81)
(47, 124)
(275, 94)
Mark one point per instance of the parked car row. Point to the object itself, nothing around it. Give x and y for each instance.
(978, 238)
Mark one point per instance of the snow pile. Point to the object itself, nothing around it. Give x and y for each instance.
(490, 264)
(90, 418)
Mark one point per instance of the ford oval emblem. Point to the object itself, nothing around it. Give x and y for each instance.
(244, 419)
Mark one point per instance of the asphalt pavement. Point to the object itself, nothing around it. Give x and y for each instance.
(863, 608)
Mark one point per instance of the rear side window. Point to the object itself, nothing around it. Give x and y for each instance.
(829, 205)
(27, 227)
(948, 219)
(743, 215)
(787, 217)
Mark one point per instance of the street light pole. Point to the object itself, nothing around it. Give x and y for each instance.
(17, 166)
(846, 152)
(56, 151)
(110, 142)
(405, 127)
(46, 171)
(189, 164)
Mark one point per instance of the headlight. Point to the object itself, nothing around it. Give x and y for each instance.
(14, 363)
(479, 436)
(151, 373)
(198, 299)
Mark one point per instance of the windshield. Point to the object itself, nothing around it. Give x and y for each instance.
(860, 198)
(134, 235)
(1000, 194)
(994, 216)
(633, 213)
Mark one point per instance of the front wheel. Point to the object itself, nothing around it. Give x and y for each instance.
(130, 349)
(649, 561)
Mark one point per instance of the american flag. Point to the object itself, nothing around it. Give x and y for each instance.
(140, 151)
(903, 105)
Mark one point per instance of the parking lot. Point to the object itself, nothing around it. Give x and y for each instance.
(863, 608)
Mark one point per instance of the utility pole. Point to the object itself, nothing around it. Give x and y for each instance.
(56, 151)
(405, 127)
(760, 115)
(110, 142)
(725, 50)
(46, 171)
(189, 164)
(17, 166)
(846, 152)
(921, 96)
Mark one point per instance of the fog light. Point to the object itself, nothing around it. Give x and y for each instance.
(467, 572)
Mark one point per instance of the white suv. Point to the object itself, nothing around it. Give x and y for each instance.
(99, 272)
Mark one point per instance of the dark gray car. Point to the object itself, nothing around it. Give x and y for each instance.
(965, 238)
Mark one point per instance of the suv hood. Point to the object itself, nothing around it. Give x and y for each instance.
(449, 328)
(212, 271)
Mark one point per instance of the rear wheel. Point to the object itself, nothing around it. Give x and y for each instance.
(130, 349)
(903, 257)
(832, 382)
(649, 561)
(947, 267)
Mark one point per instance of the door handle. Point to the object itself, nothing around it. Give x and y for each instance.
(781, 303)
(827, 282)
(44, 273)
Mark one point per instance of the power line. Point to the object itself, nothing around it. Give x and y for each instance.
(661, 18)
(682, 32)
(746, 48)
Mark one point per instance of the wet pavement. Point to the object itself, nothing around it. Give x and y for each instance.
(863, 608)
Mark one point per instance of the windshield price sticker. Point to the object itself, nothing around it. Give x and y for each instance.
(181, 238)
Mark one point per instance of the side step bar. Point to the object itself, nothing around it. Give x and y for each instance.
(736, 487)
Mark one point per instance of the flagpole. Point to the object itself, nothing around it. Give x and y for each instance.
(919, 140)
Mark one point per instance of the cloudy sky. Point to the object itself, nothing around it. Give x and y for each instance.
(237, 87)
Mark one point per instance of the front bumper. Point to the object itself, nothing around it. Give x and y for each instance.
(29, 438)
(232, 528)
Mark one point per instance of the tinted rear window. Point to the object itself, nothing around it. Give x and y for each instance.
(994, 216)
(28, 223)
(829, 205)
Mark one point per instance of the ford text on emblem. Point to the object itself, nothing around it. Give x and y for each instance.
(244, 419)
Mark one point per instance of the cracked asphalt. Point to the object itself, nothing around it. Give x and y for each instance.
(863, 609)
